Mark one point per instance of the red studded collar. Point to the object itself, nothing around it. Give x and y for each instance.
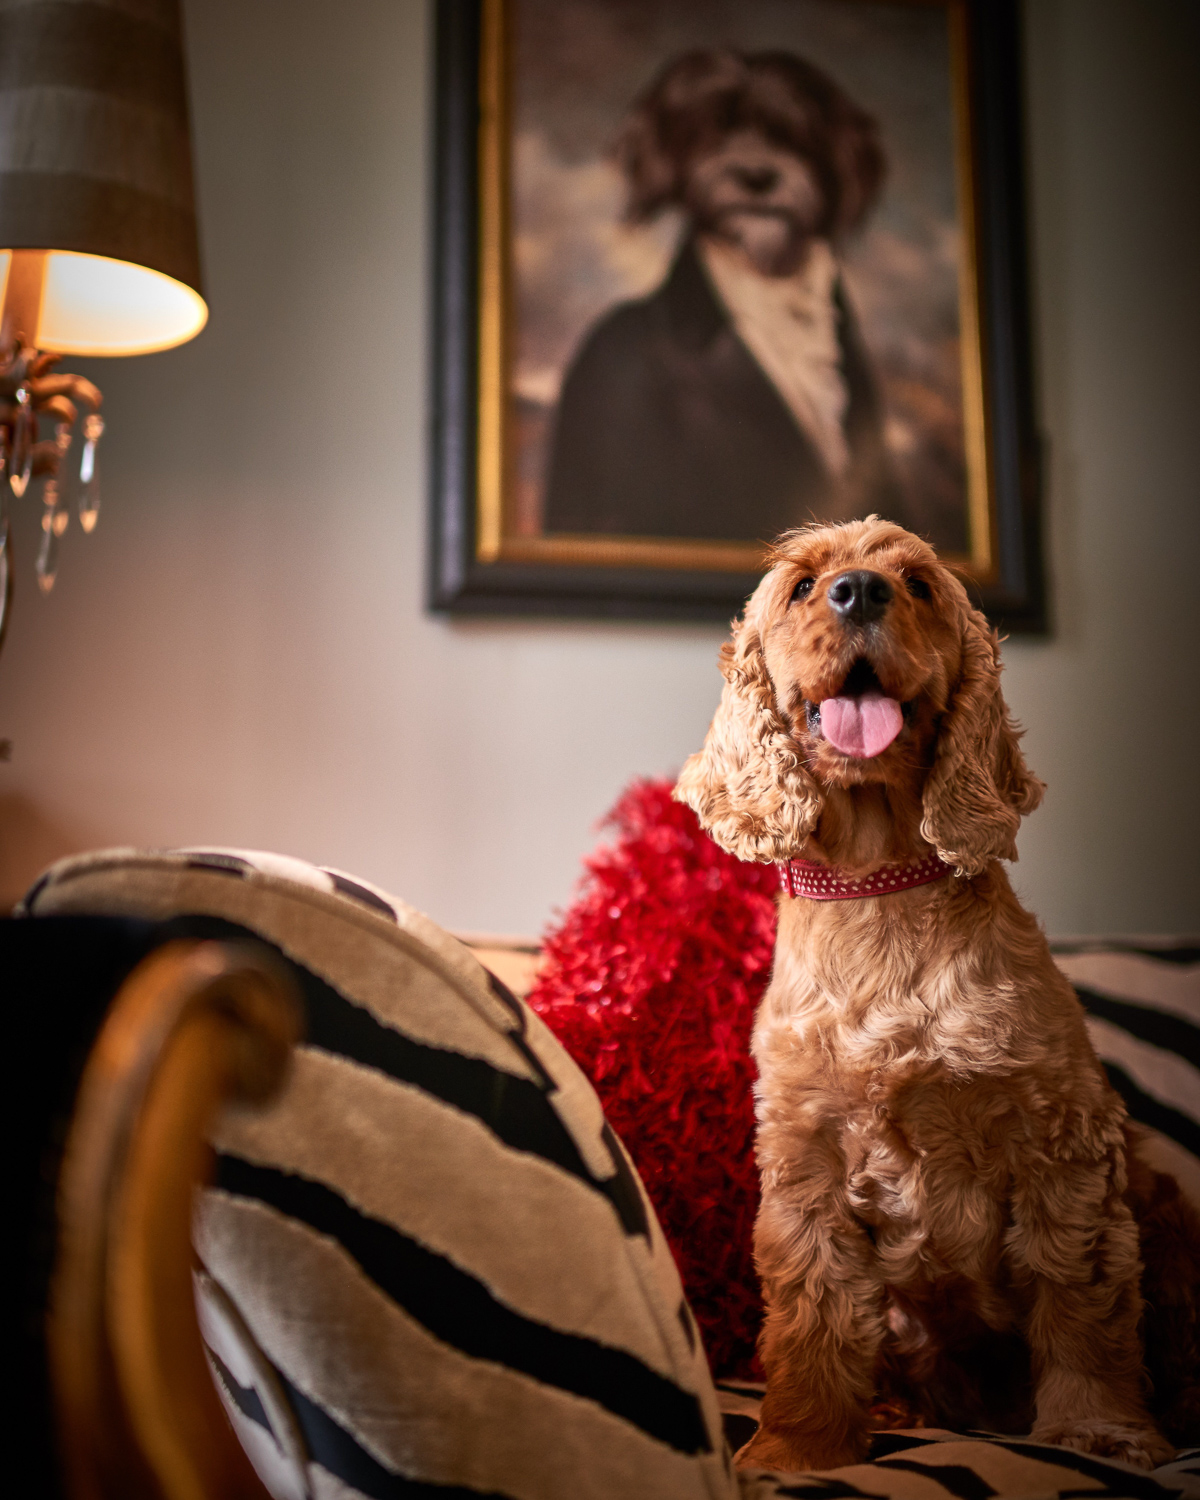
(802, 877)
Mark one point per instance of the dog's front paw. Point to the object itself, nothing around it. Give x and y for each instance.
(1144, 1447)
(784, 1451)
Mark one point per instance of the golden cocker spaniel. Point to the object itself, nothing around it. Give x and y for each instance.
(949, 1228)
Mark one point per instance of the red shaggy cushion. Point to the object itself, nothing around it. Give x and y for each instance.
(651, 981)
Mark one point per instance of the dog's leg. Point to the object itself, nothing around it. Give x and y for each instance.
(824, 1319)
(1077, 1237)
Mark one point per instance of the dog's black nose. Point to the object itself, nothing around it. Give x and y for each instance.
(860, 597)
(758, 179)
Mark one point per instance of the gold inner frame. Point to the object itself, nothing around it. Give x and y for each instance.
(494, 543)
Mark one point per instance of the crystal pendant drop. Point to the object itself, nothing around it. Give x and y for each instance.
(89, 475)
(20, 453)
(47, 558)
(55, 504)
(62, 444)
(54, 512)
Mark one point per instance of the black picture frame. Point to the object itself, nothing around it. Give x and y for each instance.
(462, 583)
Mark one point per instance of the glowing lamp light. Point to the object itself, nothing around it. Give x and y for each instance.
(99, 253)
(94, 305)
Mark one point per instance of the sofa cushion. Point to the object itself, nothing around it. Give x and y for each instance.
(1143, 1016)
(936, 1465)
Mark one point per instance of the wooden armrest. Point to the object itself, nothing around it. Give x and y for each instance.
(197, 1025)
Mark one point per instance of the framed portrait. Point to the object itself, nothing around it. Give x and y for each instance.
(706, 270)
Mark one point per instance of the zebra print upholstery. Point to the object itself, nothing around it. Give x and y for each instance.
(430, 1268)
(434, 1238)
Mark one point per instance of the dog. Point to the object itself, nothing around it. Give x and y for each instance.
(738, 398)
(947, 1231)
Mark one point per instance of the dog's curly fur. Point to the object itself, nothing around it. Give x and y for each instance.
(947, 1231)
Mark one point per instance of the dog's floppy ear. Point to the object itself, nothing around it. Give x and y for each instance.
(748, 785)
(979, 787)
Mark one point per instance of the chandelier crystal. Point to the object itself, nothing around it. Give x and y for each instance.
(33, 397)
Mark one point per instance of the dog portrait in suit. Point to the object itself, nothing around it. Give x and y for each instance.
(725, 258)
(738, 398)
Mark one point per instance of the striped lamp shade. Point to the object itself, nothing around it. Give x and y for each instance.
(96, 177)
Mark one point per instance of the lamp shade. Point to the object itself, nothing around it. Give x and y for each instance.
(96, 172)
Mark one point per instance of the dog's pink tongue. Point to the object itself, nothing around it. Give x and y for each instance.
(861, 727)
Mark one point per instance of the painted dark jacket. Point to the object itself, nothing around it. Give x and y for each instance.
(668, 426)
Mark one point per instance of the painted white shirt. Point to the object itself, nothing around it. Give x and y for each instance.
(789, 324)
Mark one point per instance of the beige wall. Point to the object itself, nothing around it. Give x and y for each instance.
(239, 653)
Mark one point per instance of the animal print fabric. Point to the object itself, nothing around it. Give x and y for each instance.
(934, 1465)
(432, 1241)
(1143, 1016)
(429, 1268)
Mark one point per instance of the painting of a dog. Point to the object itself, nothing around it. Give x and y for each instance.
(707, 270)
(740, 270)
(738, 396)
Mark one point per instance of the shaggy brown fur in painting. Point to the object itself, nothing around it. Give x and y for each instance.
(947, 1231)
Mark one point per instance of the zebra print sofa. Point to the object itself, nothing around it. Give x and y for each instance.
(430, 1269)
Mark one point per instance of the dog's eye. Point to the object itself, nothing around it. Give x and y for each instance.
(802, 589)
(918, 588)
